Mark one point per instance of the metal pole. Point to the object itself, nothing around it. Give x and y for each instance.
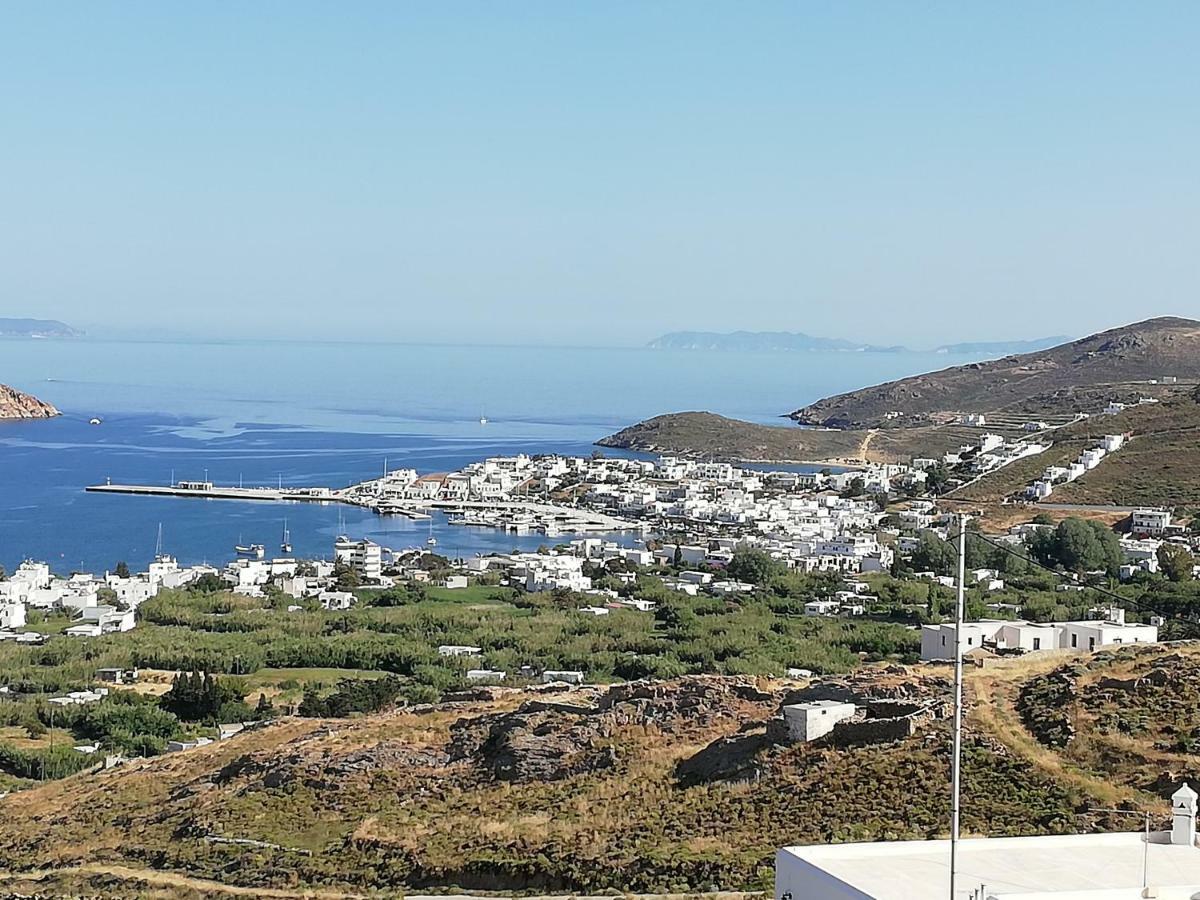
(956, 761)
(1146, 859)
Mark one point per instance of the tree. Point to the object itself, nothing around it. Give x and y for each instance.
(932, 554)
(208, 583)
(754, 566)
(121, 570)
(264, 709)
(937, 477)
(200, 697)
(677, 559)
(345, 577)
(1078, 545)
(1175, 562)
(856, 488)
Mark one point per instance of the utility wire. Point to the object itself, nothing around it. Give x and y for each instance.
(1138, 603)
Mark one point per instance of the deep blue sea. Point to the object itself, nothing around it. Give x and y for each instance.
(331, 413)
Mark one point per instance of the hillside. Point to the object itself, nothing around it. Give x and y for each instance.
(16, 405)
(36, 328)
(1080, 376)
(709, 435)
(646, 787)
(1158, 466)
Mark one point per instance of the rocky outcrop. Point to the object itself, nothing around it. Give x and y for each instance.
(16, 405)
(549, 740)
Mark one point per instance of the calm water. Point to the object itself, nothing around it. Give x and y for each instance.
(314, 413)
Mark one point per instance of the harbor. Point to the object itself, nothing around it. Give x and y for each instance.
(504, 512)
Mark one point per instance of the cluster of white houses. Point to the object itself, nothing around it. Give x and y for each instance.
(1018, 636)
(1088, 460)
(102, 604)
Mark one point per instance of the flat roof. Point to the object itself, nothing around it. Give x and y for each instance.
(1013, 868)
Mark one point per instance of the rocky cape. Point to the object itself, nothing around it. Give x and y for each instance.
(16, 405)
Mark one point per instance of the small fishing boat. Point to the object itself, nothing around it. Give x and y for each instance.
(250, 551)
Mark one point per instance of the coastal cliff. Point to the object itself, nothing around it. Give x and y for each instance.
(16, 405)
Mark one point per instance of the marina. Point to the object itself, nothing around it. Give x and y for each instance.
(514, 516)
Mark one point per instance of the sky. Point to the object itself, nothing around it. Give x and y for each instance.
(598, 173)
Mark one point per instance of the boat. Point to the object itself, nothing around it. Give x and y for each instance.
(286, 544)
(483, 420)
(431, 541)
(251, 551)
(95, 420)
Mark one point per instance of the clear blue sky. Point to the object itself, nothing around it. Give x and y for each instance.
(600, 172)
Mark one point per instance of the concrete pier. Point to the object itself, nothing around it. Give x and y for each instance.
(212, 492)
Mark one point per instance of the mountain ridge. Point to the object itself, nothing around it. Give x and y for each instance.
(1078, 376)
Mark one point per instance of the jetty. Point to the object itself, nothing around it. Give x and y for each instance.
(209, 491)
(519, 516)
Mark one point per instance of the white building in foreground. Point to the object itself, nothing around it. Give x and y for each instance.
(1055, 867)
(937, 641)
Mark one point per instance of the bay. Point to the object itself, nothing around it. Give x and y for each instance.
(265, 412)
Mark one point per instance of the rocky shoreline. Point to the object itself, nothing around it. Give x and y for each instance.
(17, 405)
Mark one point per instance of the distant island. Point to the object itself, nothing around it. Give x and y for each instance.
(36, 328)
(760, 341)
(1004, 348)
(791, 341)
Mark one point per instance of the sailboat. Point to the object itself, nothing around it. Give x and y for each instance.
(286, 544)
(253, 551)
(432, 541)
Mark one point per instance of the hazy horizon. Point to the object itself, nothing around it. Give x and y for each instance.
(539, 173)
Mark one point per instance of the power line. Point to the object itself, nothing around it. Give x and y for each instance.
(1138, 603)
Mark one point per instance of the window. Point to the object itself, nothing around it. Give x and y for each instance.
(1074, 640)
(1091, 643)
(969, 641)
(1037, 643)
(943, 640)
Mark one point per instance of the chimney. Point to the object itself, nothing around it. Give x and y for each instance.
(1183, 816)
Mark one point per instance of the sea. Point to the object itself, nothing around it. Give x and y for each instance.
(313, 413)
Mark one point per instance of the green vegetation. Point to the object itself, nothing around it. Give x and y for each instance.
(1078, 545)
(326, 663)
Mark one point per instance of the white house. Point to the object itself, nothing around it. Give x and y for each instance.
(365, 557)
(937, 641)
(809, 721)
(566, 676)
(1072, 867)
(1150, 521)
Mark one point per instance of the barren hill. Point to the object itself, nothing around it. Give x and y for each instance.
(651, 787)
(16, 405)
(1080, 376)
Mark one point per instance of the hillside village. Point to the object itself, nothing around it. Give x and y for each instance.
(820, 597)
